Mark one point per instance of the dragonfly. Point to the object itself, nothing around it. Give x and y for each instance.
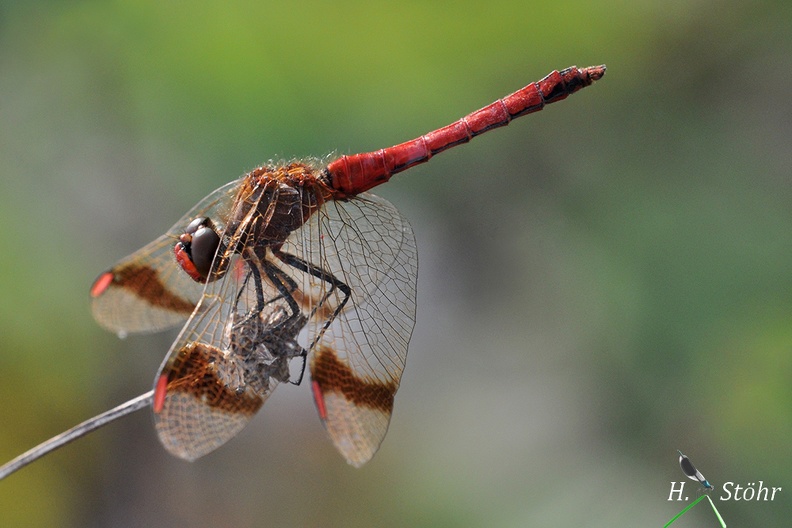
(690, 470)
(292, 266)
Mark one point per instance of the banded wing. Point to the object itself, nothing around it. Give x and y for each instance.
(235, 348)
(147, 291)
(341, 287)
(359, 348)
(222, 368)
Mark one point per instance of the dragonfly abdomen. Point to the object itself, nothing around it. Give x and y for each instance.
(356, 173)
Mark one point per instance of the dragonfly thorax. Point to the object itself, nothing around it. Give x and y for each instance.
(274, 202)
(271, 203)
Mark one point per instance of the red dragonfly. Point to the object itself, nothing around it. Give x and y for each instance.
(291, 264)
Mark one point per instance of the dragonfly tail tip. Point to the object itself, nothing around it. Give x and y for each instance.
(596, 72)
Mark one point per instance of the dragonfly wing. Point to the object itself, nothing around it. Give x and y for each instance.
(205, 393)
(197, 408)
(358, 358)
(147, 291)
(233, 351)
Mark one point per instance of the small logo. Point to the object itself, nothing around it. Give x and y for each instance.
(694, 474)
(690, 470)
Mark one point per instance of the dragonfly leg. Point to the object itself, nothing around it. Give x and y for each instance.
(325, 276)
(278, 278)
(285, 286)
(265, 338)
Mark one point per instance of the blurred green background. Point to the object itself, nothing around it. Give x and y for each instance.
(600, 284)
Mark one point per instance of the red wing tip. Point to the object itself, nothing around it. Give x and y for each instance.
(319, 399)
(101, 283)
(595, 73)
(159, 393)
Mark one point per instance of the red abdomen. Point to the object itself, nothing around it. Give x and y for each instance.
(350, 175)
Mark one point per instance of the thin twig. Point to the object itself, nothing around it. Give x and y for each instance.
(76, 432)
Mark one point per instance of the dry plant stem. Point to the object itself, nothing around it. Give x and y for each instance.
(76, 432)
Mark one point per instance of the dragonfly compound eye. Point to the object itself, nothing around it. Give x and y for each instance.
(196, 249)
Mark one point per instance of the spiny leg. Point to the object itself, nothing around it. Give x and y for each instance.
(267, 325)
(285, 286)
(278, 278)
(325, 276)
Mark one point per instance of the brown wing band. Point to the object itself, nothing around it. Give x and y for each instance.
(333, 375)
(144, 282)
(194, 372)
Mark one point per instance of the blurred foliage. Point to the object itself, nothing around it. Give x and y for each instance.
(601, 284)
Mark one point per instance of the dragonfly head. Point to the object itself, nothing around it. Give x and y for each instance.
(196, 249)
